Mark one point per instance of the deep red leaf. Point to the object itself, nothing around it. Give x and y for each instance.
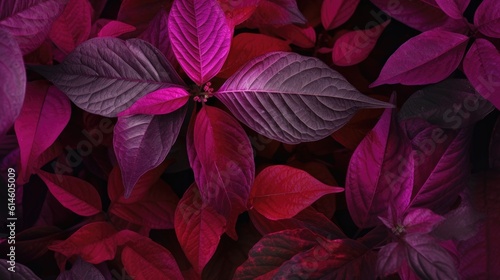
(238, 11)
(304, 37)
(139, 13)
(276, 13)
(335, 12)
(115, 28)
(73, 26)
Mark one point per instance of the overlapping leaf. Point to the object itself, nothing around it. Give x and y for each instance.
(73, 26)
(487, 18)
(334, 12)
(157, 34)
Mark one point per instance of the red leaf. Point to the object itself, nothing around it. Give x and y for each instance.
(437, 51)
(45, 113)
(247, 46)
(73, 193)
(158, 102)
(335, 12)
(304, 37)
(139, 13)
(94, 243)
(487, 18)
(276, 13)
(355, 46)
(115, 28)
(198, 227)
(238, 11)
(144, 259)
(481, 68)
(280, 191)
(73, 25)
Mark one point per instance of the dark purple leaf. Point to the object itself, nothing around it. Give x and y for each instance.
(157, 35)
(105, 76)
(276, 13)
(292, 98)
(453, 8)
(19, 272)
(81, 270)
(487, 18)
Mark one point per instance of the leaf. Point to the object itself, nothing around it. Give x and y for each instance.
(390, 259)
(452, 103)
(380, 173)
(139, 12)
(453, 8)
(437, 51)
(238, 11)
(21, 272)
(247, 46)
(198, 228)
(105, 76)
(481, 68)
(115, 28)
(29, 21)
(46, 111)
(13, 80)
(159, 102)
(292, 98)
(334, 13)
(487, 18)
(304, 37)
(421, 220)
(223, 168)
(157, 35)
(73, 26)
(200, 37)
(73, 193)
(81, 270)
(276, 13)
(281, 192)
(142, 142)
(354, 46)
(94, 243)
(144, 259)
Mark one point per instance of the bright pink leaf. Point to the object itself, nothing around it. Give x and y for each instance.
(481, 68)
(29, 21)
(223, 165)
(157, 35)
(73, 193)
(13, 80)
(453, 8)
(380, 173)
(81, 270)
(115, 28)
(238, 11)
(355, 46)
(45, 113)
(198, 227)
(73, 26)
(200, 37)
(281, 192)
(158, 102)
(437, 51)
(144, 259)
(335, 12)
(304, 37)
(276, 13)
(487, 18)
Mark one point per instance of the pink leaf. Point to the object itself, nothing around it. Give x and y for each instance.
(453, 8)
(335, 12)
(45, 113)
(157, 34)
(73, 193)
(481, 68)
(73, 26)
(200, 37)
(355, 46)
(281, 192)
(158, 102)
(223, 166)
(198, 227)
(304, 37)
(13, 80)
(115, 28)
(29, 21)
(487, 18)
(276, 13)
(437, 51)
(380, 173)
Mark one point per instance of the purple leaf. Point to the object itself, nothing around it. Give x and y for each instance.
(81, 270)
(222, 159)
(276, 13)
(105, 76)
(453, 8)
(380, 173)
(453, 104)
(200, 36)
(390, 258)
(420, 220)
(157, 35)
(13, 81)
(141, 143)
(115, 28)
(292, 98)
(159, 102)
(21, 272)
(29, 21)
(481, 68)
(436, 51)
(487, 18)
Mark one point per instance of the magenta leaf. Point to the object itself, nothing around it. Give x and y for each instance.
(222, 159)
(420, 220)
(335, 12)
(13, 81)
(481, 68)
(142, 142)
(453, 8)
(292, 98)
(355, 46)
(390, 258)
(20, 272)
(81, 270)
(487, 18)
(276, 13)
(115, 28)
(105, 76)
(29, 21)
(159, 102)
(437, 51)
(45, 113)
(200, 36)
(157, 35)
(452, 103)
(380, 173)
